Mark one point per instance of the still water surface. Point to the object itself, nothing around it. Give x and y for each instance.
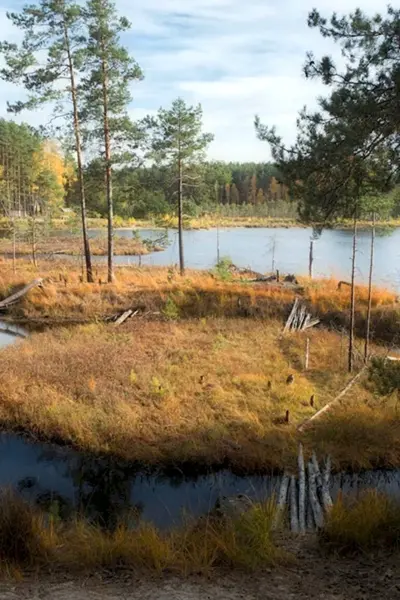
(254, 248)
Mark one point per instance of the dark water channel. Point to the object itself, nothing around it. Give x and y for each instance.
(106, 492)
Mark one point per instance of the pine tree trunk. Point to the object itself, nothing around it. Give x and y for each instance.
(353, 296)
(311, 259)
(107, 148)
(180, 217)
(78, 149)
(371, 269)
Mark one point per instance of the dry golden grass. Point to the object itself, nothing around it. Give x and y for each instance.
(197, 294)
(29, 539)
(195, 390)
(369, 522)
(73, 246)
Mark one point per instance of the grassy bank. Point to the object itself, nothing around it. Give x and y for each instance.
(72, 245)
(30, 539)
(204, 391)
(162, 293)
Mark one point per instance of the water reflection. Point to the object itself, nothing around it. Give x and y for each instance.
(9, 333)
(106, 491)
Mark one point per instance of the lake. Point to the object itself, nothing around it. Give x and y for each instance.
(253, 247)
(10, 333)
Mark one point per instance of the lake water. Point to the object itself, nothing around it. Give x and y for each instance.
(10, 333)
(254, 248)
(104, 490)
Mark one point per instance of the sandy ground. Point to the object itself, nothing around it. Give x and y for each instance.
(312, 576)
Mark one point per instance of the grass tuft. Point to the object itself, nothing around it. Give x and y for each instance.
(367, 523)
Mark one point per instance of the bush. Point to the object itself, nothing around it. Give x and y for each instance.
(223, 268)
(385, 375)
(369, 522)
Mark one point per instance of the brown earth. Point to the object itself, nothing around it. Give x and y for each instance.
(312, 576)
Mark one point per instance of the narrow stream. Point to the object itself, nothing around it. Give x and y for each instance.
(106, 491)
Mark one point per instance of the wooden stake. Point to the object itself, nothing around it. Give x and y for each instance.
(307, 359)
(282, 499)
(315, 505)
(302, 490)
(294, 521)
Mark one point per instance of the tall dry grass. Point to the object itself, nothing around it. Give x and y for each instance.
(362, 524)
(29, 539)
(208, 391)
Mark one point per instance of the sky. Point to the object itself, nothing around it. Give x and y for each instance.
(235, 58)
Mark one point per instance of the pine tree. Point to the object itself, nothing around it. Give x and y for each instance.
(107, 91)
(260, 199)
(235, 200)
(177, 140)
(53, 36)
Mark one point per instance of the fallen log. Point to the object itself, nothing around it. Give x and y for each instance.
(122, 318)
(20, 294)
(328, 406)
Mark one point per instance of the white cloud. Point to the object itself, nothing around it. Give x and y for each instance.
(235, 58)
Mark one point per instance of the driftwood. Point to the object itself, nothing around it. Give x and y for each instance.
(302, 490)
(294, 521)
(339, 287)
(20, 294)
(312, 490)
(326, 495)
(299, 318)
(282, 499)
(334, 401)
(122, 318)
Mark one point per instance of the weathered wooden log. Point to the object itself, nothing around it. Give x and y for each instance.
(315, 505)
(20, 294)
(328, 406)
(326, 494)
(310, 523)
(294, 521)
(282, 499)
(291, 316)
(317, 471)
(122, 318)
(302, 490)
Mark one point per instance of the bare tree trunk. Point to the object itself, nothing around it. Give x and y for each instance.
(353, 297)
(107, 148)
(78, 149)
(180, 217)
(14, 247)
(311, 259)
(371, 269)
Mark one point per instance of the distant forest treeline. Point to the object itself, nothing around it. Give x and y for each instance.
(151, 190)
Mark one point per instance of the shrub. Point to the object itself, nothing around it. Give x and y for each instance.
(371, 521)
(385, 375)
(171, 310)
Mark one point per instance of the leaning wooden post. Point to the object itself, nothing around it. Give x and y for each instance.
(302, 490)
(282, 499)
(315, 505)
(307, 358)
(311, 259)
(294, 521)
(326, 476)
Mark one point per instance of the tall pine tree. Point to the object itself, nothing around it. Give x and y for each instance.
(178, 141)
(53, 37)
(107, 91)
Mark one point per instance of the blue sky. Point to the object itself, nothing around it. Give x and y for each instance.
(235, 58)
